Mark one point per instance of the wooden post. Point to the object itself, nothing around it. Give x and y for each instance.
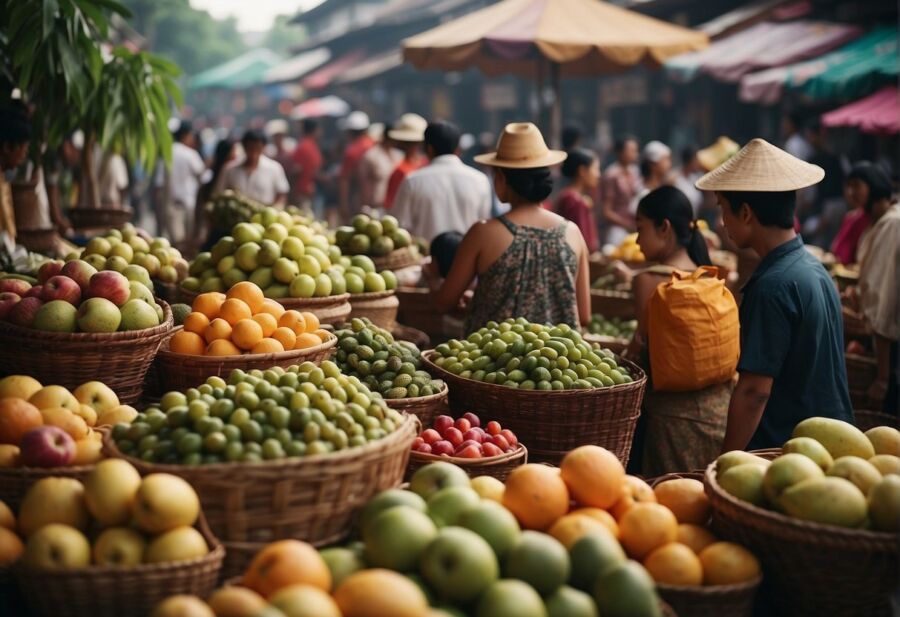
(539, 113)
(556, 107)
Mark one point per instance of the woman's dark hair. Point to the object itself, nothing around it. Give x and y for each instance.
(443, 250)
(443, 137)
(576, 159)
(221, 156)
(15, 128)
(532, 185)
(646, 167)
(772, 209)
(621, 142)
(875, 178)
(667, 203)
(571, 135)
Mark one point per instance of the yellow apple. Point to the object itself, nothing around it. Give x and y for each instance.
(179, 544)
(164, 502)
(67, 420)
(7, 518)
(119, 546)
(97, 395)
(11, 547)
(236, 601)
(87, 451)
(53, 500)
(304, 601)
(57, 547)
(488, 487)
(121, 413)
(110, 490)
(19, 386)
(54, 396)
(87, 413)
(182, 606)
(9, 456)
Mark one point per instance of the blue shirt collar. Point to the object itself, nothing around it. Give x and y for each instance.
(774, 256)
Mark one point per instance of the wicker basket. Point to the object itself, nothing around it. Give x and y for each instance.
(613, 343)
(866, 419)
(498, 466)
(312, 498)
(45, 241)
(167, 291)
(100, 218)
(417, 310)
(399, 258)
(15, 481)
(177, 371)
(332, 310)
(855, 325)
(380, 307)
(118, 359)
(425, 408)
(814, 569)
(552, 423)
(611, 303)
(108, 591)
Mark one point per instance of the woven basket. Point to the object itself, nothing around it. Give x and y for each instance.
(100, 218)
(613, 343)
(312, 498)
(861, 372)
(167, 291)
(855, 325)
(417, 310)
(177, 371)
(611, 303)
(332, 310)
(15, 481)
(498, 466)
(815, 569)
(425, 408)
(118, 359)
(552, 423)
(866, 419)
(43, 241)
(107, 591)
(411, 335)
(397, 259)
(380, 307)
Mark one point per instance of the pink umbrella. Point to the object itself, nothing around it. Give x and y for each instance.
(316, 108)
(877, 113)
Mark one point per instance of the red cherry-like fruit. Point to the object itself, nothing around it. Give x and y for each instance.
(494, 428)
(442, 423)
(490, 449)
(442, 447)
(463, 424)
(454, 436)
(474, 434)
(501, 442)
(469, 452)
(430, 435)
(468, 443)
(472, 418)
(510, 437)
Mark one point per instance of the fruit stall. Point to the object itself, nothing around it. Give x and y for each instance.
(257, 431)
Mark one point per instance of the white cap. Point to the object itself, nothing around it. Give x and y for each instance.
(277, 127)
(655, 151)
(356, 121)
(409, 128)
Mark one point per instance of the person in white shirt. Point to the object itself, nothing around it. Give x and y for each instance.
(375, 169)
(181, 183)
(687, 175)
(112, 176)
(795, 143)
(446, 195)
(257, 176)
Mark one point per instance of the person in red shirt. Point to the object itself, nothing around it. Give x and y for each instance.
(308, 161)
(357, 126)
(582, 169)
(408, 135)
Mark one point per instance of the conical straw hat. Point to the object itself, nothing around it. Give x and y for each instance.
(760, 166)
(716, 154)
(521, 146)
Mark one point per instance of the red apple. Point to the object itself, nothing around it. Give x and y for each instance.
(111, 285)
(430, 436)
(49, 270)
(469, 452)
(494, 428)
(442, 447)
(490, 449)
(473, 434)
(34, 292)
(510, 437)
(442, 423)
(79, 271)
(463, 424)
(16, 286)
(47, 446)
(61, 288)
(472, 418)
(468, 444)
(501, 442)
(424, 448)
(24, 311)
(8, 300)
(454, 436)
(418, 441)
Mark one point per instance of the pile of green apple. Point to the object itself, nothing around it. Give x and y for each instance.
(285, 258)
(132, 246)
(519, 354)
(259, 415)
(393, 368)
(229, 208)
(614, 326)
(369, 235)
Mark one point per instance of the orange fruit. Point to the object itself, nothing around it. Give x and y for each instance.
(217, 329)
(234, 310)
(222, 347)
(249, 293)
(188, 343)
(208, 303)
(726, 563)
(272, 307)
(67, 420)
(294, 320)
(11, 546)
(312, 322)
(536, 495)
(196, 322)
(594, 476)
(267, 322)
(572, 527)
(267, 345)
(645, 527)
(674, 564)
(686, 499)
(246, 334)
(323, 335)
(377, 593)
(633, 491)
(7, 518)
(695, 537)
(285, 336)
(307, 340)
(284, 563)
(9, 455)
(601, 515)
(17, 417)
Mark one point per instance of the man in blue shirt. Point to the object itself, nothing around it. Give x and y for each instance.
(792, 360)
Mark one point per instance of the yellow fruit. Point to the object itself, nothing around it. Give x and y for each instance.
(645, 527)
(163, 502)
(694, 537)
(593, 475)
(886, 463)
(11, 546)
(110, 490)
(379, 593)
(601, 515)
(87, 451)
(304, 601)
(861, 472)
(686, 499)
(19, 386)
(884, 504)
(237, 601)
(122, 413)
(182, 605)
(832, 501)
(674, 564)
(53, 500)
(726, 563)
(9, 456)
(65, 419)
(572, 527)
(179, 544)
(7, 518)
(489, 487)
(733, 458)
(88, 414)
(97, 395)
(54, 396)
(536, 495)
(839, 438)
(885, 440)
(284, 563)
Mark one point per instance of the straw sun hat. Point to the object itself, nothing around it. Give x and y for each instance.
(409, 128)
(521, 146)
(712, 156)
(760, 166)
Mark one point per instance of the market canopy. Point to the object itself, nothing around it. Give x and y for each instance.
(241, 72)
(858, 67)
(332, 106)
(298, 66)
(877, 113)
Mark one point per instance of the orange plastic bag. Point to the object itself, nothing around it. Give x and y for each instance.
(693, 332)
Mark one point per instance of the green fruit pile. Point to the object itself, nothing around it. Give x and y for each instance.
(259, 415)
(519, 354)
(372, 236)
(616, 327)
(229, 208)
(123, 250)
(390, 367)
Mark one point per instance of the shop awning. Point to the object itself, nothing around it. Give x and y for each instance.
(867, 62)
(372, 68)
(328, 73)
(241, 72)
(877, 113)
(764, 45)
(332, 106)
(298, 66)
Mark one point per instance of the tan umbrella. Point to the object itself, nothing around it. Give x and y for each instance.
(531, 38)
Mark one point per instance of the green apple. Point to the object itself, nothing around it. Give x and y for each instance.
(334, 253)
(116, 263)
(139, 274)
(293, 248)
(97, 246)
(569, 602)
(269, 252)
(149, 262)
(262, 277)
(97, 261)
(246, 232)
(320, 255)
(201, 262)
(510, 598)
(374, 282)
(303, 286)
(390, 498)
(627, 590)
(401, 238)
(268, 216)
(447, 505)
(310, 265)
(359, 244)
(540, 560)
(98, 315)
(276, 291)
(167, 274)
(223, 246)
(431, 478)
(342, 562)
(138, 315)
(360, 222)
(492, 522)
(389, 224)
(213, 283)
(191, 283)
(246, 257)
(592, 556)
(276, 232)
(159, 243)
(343, 234)
(303, 232)
(323, 286)
(122, 250)
(390, 279)
(139, 291)
(338, 284)
(165, 255)
(57, 547)
(56, 316)
(231, 278)
(458, 564)
(382, 246)
(396, 538)
(354, 283)
(225, 264)
(364, 262)
(284, 270)
(138, 244)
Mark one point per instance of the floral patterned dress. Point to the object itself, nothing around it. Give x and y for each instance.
(534, 278)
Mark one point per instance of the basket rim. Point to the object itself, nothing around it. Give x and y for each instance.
(580, 392)
(712, 590)
(277, 356)
(337, 299)
(603, 338)
(485, 461)
(372, 295)
(612, 293)
(94, 337)
(418, 400)
(833, 532)
(23, 471)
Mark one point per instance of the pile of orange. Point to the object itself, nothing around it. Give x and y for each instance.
(244, 321)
